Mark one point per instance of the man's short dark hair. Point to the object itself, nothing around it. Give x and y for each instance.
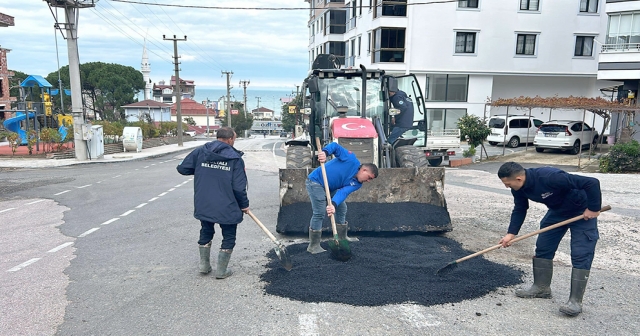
(225, 133)
(510, 170)
(371, 167)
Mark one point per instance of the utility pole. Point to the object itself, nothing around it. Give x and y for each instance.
(228, 73)
(297, 105)
(176, 90)
(258, 98)
(244, 88)
(207, 105)
(71, 8)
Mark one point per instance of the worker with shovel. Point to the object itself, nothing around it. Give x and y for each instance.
(220, 195)
(345, 175)
(565, 195)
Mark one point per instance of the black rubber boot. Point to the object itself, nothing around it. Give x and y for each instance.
(314, 242)
(205, 254)
(579, 278)
(342, 232)
(223, 261)
(542, 273)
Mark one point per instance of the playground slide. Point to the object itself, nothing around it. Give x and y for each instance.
(13, 125)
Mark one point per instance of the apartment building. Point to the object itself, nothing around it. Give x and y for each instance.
(466, 52)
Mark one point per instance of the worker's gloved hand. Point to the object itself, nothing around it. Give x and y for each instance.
(588, 214)
(331, 210)
(245, 210)
(322, 157)
(506, 240)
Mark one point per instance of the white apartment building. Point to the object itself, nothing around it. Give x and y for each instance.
(466, 52)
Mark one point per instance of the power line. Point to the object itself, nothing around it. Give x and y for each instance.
(266, 8)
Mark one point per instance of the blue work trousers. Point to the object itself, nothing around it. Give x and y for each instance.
(584, 236)
(318, 198)
(396, 132)
(228, 234)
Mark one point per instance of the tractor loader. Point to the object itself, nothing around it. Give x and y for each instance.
(352, 107)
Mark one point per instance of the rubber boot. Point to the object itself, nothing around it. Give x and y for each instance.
(205, 254)
(223, 261)
(579, 278)
(314, 242)
(342, 232)
(542, 273)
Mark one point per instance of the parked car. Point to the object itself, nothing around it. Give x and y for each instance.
(565, 135)
(283, 134)
(512, 129)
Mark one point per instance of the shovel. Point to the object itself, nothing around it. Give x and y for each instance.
(280, 250)
(452, 265)
(339, 248)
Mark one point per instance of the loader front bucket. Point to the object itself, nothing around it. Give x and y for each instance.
(398, 200)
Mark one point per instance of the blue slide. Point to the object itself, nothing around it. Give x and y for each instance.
(13, 125)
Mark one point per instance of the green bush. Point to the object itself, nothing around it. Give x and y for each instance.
(623, 157)
(471, 152)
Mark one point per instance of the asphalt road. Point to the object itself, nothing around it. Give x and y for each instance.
(111, 250)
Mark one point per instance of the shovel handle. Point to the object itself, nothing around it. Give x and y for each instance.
(550, 227)
(264, 228)
(326, 188)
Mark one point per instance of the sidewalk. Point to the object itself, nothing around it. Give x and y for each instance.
(22, 162)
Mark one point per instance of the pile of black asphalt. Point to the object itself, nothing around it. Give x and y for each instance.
(387, 270)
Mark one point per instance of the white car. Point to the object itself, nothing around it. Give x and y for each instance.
(512, 129)
(565, 135)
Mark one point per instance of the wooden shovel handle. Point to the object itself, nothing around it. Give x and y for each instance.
(550, 227)
(326, 188)
(264, 228)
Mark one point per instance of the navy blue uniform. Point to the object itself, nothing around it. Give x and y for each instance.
(566, 195)
(220, 189)
(404, 120)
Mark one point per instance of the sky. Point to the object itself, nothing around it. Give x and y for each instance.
(266, 47)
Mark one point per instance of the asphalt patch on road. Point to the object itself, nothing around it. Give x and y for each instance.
(387, 270)
(293, 219)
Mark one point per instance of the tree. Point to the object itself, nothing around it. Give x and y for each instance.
(14, 82)
(189, 121)
(289, 119)
(474, 130)
(240, 122)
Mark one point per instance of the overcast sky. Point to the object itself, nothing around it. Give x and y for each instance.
(269, 48)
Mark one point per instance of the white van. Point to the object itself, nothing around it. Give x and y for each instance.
(512, 129)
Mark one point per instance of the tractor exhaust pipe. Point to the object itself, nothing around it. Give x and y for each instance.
(363, 101)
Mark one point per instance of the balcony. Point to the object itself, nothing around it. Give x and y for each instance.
(621, 47)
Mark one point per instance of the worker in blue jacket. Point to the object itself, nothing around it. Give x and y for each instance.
(403, 121)
(345, 175)
(566, 196)
(220, 195)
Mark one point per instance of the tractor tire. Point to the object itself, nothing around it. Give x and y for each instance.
(493, 143)
(299, 157)
(514, 142)
(435, 162)
(410, 156)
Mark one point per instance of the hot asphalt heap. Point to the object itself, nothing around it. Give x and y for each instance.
(387, 270)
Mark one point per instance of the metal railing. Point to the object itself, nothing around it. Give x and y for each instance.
(635, 47)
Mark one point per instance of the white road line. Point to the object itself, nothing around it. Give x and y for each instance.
(137, 169)
(88, 232)
(56, 249)
(127, 213)
(412, 315)
(23, 265)
(308, 325)
(110, 221)
(5, 210)
(34, 202)
(153, 164)
(141, 205)
(62, 192)
(146, 167)
(118, 176)
(172, 189)
(99, 182)
(84, 186)
(153, 199)
(178, 186)
(164, 193)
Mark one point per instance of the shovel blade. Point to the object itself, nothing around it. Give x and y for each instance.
(340, 249)
(283, 255)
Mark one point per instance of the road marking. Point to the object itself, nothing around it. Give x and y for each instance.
(127, 213)
(34, 202)
(412, 315)
(84, 186)
(56, 249)
(137, 169)
(23, 265)
(146, 167)
(308, 325)
(172, 189)
(110, 221)
(88, 232)
(5, 210)
(99, 182)
(153, 164)
(164, 193)
(141, 205)
(118, 176)
(178, 186)
(153, 199)
(62, 192)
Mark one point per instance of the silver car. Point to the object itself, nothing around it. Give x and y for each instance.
(565, 135)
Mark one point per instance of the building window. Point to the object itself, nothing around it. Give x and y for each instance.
(390, 8)
(530, 5)
(588, 6)
(584, 46)
(441, 119)
(468, 3)
(526, 44)
(623, 32)
(336, 48)
(451, 88)
(368, 43)
(465, 43)
(359, 45)
(335, 22)
(388, 45)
